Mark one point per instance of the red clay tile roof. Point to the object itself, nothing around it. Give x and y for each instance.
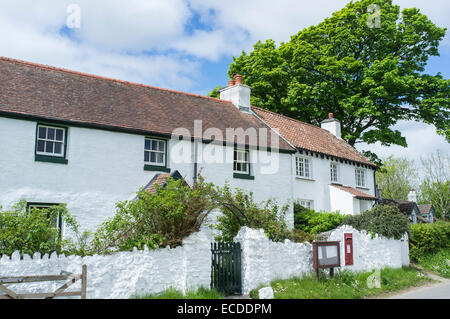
(159, 179)
(425, 209)
(312, 138)
(356, 193)
(44, 92)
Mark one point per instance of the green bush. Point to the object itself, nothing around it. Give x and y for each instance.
(385, 220)
(428, 238)
(156, 219)
(309, 221)
(239, 209)
(34, 230)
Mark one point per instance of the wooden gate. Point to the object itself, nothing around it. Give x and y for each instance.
(60, 292)
(226, 268)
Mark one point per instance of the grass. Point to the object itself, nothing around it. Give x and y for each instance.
(346, 285)
(172, 293)
(438, 263)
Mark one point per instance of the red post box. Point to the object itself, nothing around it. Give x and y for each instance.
(348, 248)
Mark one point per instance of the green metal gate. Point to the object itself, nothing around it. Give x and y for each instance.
(226, 267)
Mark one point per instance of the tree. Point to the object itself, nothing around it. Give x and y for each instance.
(435, 187)
(369, 77)
(396, 177)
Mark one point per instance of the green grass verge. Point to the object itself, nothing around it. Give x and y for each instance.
(171, 293)
(346, 285)
(438, 263)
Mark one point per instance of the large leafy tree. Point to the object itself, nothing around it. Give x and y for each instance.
(370, 77)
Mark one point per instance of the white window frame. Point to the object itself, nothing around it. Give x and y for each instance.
(334, 172)
(306, 163)
(155, 151)
(360, 175)
(237, 159)
(307, 203)
(54, 140)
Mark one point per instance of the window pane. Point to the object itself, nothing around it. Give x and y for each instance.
(41, 146)
(161, 146)
(152, 157)
(154, 145)
(42, 132)
(160, 158)
(49, 147)
(146, 156)
(59, 135)
(147, 144)
(58, 148)
(51, 133)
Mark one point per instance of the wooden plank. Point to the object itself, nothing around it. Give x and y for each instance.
(51, 294)
(9, 293)
(23, 279)
(83, 281)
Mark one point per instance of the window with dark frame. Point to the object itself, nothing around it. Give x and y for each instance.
(155, 151)
(241, 163)
(50, 140)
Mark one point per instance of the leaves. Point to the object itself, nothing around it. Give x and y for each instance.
(370, 78)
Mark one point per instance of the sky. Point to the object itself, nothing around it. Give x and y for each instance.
(185, 45)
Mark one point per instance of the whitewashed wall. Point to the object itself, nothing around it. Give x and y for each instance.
(105, 167)
(124, 274)
(372, 253)
(318, 188)
(264, 261)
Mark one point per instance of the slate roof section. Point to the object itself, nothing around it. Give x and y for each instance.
(312, 138)
(404, 206)
(354, 192)
(43, 92)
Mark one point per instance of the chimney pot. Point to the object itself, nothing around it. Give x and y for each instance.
(237, 78)
(330, 115)
(231, 82)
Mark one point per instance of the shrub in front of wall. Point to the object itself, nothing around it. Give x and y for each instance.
(310, 221)
(428, 238)
(35, 230)
(239, 209)
(384, 220)
(158, 219)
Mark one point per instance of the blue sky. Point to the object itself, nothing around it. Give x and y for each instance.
(185, 45)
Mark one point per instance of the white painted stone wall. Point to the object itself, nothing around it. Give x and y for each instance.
(124, 274)
(264, 261)
(372, 253)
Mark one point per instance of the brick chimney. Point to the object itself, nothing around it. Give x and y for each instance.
(237, 93)
(332, 125)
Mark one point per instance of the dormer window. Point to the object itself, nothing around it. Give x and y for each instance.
(241, 163)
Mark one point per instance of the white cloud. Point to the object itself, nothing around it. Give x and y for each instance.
(421, 139)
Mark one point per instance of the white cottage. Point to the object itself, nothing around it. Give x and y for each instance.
(89, 142)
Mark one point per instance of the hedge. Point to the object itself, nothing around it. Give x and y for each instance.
(428, 238)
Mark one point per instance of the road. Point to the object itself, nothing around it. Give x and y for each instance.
(439, 290)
